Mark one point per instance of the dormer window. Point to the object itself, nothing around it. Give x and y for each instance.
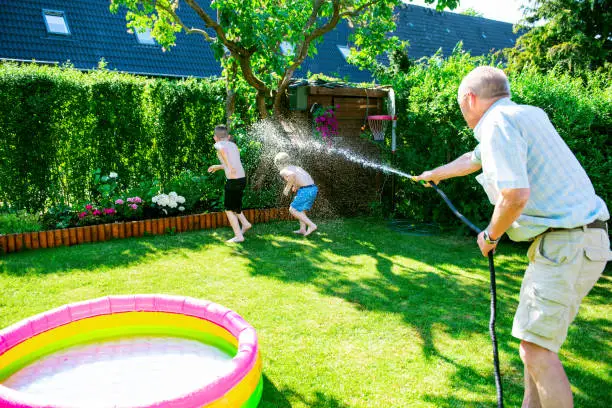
(344, 50)
(56, 22)
(145, 37)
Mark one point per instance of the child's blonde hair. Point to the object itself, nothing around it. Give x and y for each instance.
(221, 132)
(281, 160)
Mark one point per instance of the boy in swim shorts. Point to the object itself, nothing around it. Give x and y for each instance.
(229, 156)
(300, 182)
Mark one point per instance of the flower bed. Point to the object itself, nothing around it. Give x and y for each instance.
(104, 232)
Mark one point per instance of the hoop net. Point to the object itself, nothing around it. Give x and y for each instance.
(378, 125)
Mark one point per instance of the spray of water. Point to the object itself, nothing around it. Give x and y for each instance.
(339, 183)
(300, 138)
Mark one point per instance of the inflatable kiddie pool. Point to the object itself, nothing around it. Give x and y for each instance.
(131, 351)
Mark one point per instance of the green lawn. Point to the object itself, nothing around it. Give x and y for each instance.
(356, 316)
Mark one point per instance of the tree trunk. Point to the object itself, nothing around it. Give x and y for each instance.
(230, 106)
(261, 105)
(280, 108)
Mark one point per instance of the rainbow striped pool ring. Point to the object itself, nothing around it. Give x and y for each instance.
(118, 316)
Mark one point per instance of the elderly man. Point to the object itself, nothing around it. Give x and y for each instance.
(541, 194)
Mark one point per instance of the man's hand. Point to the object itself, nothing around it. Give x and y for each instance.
(484, 247)
(294, 189)
(427, 176)
(232, 172)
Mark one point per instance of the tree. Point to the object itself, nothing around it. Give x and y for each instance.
(263, 42)
(471, 12)
(575, 35)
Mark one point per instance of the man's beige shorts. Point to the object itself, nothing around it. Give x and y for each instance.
(563, 267)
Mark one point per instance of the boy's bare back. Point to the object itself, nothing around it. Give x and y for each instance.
(229, 156)
(297, 175)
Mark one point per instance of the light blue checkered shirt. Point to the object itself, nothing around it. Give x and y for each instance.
(520, 148)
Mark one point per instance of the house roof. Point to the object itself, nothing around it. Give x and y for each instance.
(96, 33)
(427, 30)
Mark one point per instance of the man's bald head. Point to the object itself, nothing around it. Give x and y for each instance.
(485, 83)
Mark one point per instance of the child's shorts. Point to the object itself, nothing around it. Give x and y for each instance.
(305, 197)
(234, 189)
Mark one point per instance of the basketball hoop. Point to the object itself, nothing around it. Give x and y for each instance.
(378, 125)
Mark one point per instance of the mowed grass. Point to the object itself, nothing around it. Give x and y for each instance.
(355, 316)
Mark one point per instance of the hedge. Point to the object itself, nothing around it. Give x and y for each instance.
(57, 124)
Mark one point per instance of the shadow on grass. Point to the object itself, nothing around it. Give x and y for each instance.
(424, 292)
(319, 399)
(427, 294)
(109, 254)
(272, 397)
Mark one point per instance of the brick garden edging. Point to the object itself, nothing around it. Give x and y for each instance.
(119, 230)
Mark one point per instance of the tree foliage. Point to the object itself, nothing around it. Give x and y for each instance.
(247, 35)
(472, 12)
(575, 35)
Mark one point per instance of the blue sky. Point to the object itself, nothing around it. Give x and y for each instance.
(502, 10)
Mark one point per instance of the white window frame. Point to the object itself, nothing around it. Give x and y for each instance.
(344, 50)
(57, 14)
(145, 37)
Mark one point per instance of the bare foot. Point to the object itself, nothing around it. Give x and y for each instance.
(310, 230)
(300, 231)
(235, 240)
(246, 227)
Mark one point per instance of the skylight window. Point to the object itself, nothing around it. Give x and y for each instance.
(344, 50)
(145, 37)
(56, 23)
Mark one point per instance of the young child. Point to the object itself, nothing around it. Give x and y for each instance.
(300, 182)
(229, 156)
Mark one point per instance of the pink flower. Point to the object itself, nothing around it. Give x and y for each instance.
(96, 212)
(88, 207)
(134, 207)
(136, 200)
(109, 211)
(129, 200)
(83, 214)
(119, 201)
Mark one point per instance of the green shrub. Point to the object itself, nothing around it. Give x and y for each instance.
(431, 130)
(581, 110)
(201, 192)
(57, 124)
(264, 186)
(59, 216)
(19, 221)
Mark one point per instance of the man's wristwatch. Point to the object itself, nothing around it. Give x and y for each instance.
(488, 239)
